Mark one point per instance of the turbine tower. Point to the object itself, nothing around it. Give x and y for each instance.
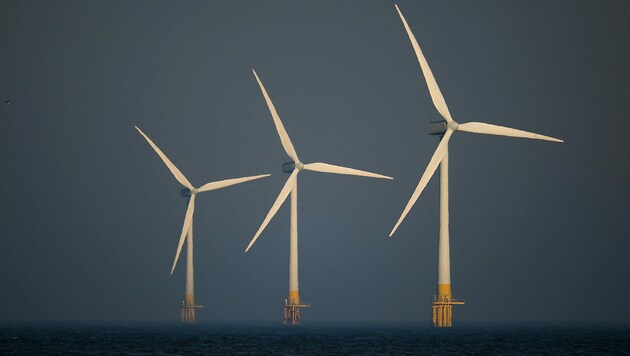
(443, 302)
(190, 192)
(292, 304)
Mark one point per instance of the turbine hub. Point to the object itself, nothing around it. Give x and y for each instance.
(299, 165)
(453, 125)
(194, 191)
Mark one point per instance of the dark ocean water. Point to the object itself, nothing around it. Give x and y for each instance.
(309, 340)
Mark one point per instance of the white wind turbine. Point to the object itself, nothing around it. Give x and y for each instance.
(292, 305)
(442, 312)
(188, 308)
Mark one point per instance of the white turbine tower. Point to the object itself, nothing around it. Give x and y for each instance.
(292, 304)
(442, 306)
(188, 307)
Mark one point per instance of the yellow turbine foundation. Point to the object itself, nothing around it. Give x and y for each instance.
(443, 306)
(294, 297)
(188, 309)
(443, 291)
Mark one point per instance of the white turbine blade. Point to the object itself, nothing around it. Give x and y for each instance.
(284, 137)
(187, 221)
(228, 182)
(428, 173)
(329, 168)
(284, 193)
(434, 90)
(178, 175)
(488, 129)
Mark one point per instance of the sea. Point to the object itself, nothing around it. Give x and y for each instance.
(312, 340)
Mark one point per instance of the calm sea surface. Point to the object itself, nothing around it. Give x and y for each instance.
(309, 340)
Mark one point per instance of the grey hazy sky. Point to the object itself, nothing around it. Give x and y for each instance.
(90, 216)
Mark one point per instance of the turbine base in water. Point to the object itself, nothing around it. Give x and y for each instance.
(291, 312)
(188, 309)
(443, 311)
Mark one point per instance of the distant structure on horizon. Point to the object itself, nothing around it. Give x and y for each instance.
(190, 192)
(443, 301)
(292, 305)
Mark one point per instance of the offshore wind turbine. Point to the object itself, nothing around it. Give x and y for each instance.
(443, 302)
(190, 192)
(292, 304)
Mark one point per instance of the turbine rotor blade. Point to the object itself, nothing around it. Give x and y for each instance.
(428, 173)
(284, 136)
(228, 182)
(176, 172)
(187, 221)
(329, 168)
(489, 129)
(434, 90)
(284, 193)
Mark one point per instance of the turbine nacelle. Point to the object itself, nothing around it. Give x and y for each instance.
(187, 193)
(440, 127)
(437, 128)
(289, 167)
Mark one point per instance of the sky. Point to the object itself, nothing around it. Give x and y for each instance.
(91, 216)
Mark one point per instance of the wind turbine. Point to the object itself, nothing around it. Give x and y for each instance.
(188, 306)
(442, 305)
(292, 304)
